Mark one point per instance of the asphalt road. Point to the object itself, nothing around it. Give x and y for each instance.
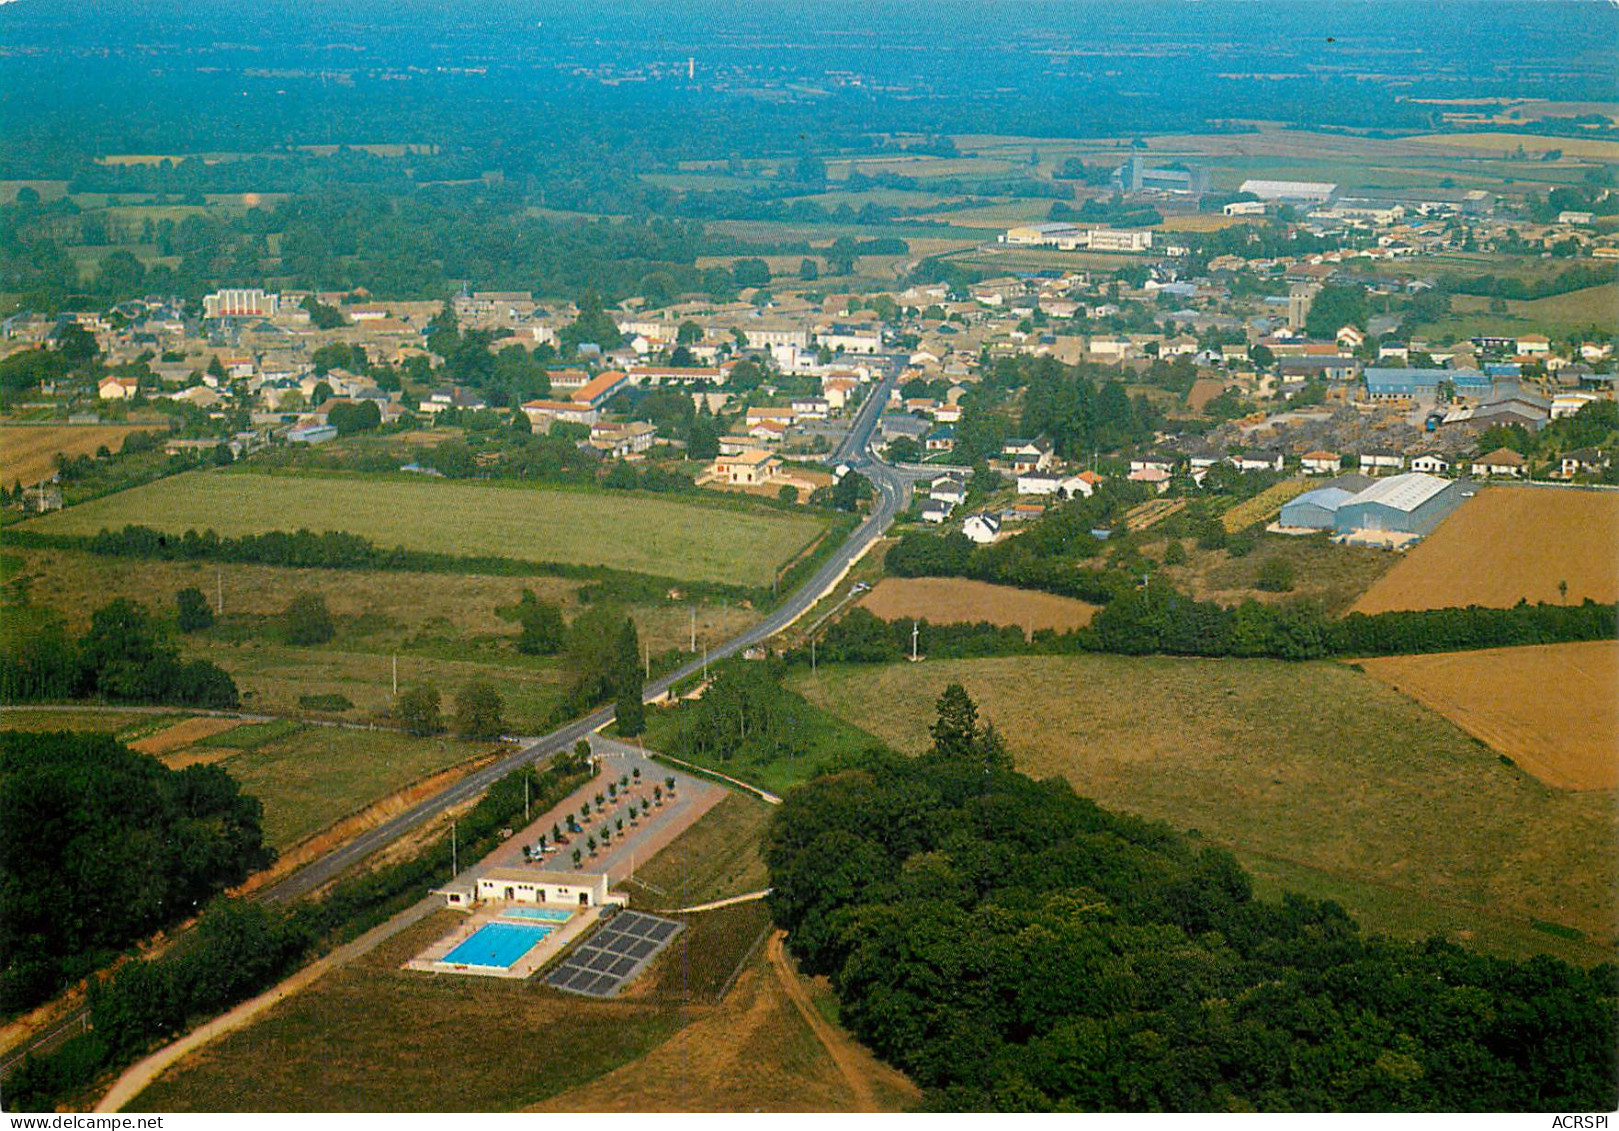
(893, 489)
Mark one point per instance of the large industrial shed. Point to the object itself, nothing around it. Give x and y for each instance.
(1315, 510)
(1413, 503)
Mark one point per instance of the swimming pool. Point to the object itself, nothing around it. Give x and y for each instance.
(544, 914)
(498, 944)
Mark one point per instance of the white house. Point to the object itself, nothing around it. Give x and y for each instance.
(982, 528)
(1038, 483)
(1322, 463)
(1430, 464)
(1502, 461)
(117, 388)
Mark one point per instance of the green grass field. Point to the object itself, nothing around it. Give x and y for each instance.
(317, 775)
(685, 540)
(1556, 316)
(718, 857)
(1319, 777)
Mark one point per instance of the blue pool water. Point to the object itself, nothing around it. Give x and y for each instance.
(498, 944)
(544, 914)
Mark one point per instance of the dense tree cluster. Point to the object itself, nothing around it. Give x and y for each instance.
(124, 657)
(1013, 946)
(114, 846)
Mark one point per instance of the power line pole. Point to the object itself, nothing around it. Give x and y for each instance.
(396, 675)
(455, 854)
(694, 629)
(914, 632)
(525, 799)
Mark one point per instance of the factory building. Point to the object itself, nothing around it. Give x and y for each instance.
(1412, 503)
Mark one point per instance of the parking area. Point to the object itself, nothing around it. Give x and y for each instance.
(617, 952)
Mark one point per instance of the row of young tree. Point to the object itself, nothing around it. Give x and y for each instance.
(136, 846)
(125, 656)
(1014, 946)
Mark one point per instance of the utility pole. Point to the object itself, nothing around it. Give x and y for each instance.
(812, 655)
(693, 629)
(525, 799)
(705, 661)
(455, 854)
(396, 675)
(646, 657)
(914, 632)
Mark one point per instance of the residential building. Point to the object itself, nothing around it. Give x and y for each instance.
(747, 469)
(1501, 462)
(1321, 463)
(982, 528)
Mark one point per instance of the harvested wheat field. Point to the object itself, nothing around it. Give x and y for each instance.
(28, 451)
(955, 600)
(1552, 708)
(1509, 544)
(183, 734)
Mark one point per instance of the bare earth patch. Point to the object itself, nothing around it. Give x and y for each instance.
(1569, 739)
(180, 735)
(947, 600)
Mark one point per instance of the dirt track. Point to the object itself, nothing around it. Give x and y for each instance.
(855, 1063)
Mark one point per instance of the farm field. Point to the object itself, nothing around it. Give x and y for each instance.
(657, 536)
(1313, 772)
(944, 600)
(1264, 506)
(1555, 315)
(376, 610)
(1569, 739)
(28, 451)
(1509, 544)
(1504, 144)
(311, 776)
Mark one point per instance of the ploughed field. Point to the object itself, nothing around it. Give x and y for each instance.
(667, 538)
(1552, 708)
(1509, 544)
(1320, 778)
(949, 600)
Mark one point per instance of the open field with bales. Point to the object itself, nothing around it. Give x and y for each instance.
(1503, 696)
(1509, 544)
(1314, 773)
(28, 451)
(629, 532)
(945, 600)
